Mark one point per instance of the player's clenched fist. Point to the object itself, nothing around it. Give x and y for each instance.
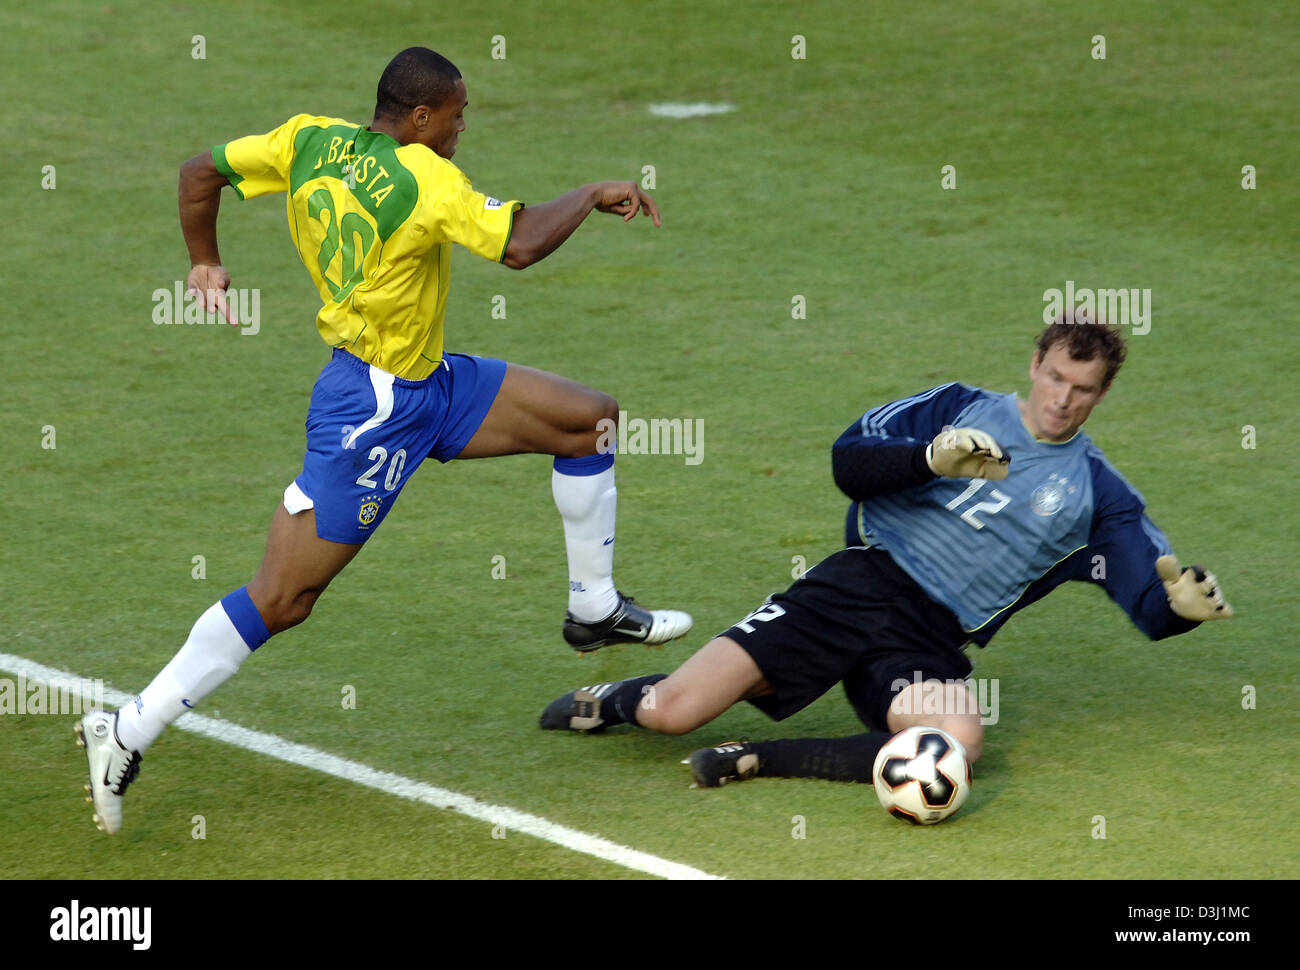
(625, 199)
(1193, 593)
(966, 453)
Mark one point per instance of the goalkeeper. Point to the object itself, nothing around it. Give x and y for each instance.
(967, 506)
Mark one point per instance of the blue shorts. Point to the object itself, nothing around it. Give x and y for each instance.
(368, 431)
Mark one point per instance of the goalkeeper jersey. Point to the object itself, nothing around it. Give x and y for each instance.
(373, 222)
(987, 549)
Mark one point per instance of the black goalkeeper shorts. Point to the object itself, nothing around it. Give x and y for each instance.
(855, 617)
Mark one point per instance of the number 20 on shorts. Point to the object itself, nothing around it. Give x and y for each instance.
(379, 456)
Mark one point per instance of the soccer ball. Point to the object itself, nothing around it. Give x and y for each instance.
(922, 775)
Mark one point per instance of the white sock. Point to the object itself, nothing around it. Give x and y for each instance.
(588, 505)
(208, 659)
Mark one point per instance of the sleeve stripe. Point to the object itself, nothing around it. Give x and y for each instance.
(223, 166)
(510, 231)
(873, 422)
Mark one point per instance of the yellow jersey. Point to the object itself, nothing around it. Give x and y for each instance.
(373, 222)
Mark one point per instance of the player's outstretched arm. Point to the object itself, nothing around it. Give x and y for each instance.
(540, 230)
(1193, 593)
(199, 197)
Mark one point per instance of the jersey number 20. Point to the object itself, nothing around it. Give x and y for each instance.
(343, 234)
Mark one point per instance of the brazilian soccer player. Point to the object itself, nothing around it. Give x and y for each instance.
(373, 211)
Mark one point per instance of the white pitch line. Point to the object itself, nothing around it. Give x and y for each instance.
(697, 109)
(277, 747)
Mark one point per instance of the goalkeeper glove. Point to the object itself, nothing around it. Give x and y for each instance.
(1193, 593)
(966, 453)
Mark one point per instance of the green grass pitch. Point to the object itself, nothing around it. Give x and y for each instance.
(172, 442)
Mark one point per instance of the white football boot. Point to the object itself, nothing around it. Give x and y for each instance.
(628, 623)
(112, 767)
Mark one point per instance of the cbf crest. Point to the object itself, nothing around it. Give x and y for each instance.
(1049, 497)
(369, 510)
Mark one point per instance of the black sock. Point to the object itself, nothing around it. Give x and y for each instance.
(838, 759)
(619, 700)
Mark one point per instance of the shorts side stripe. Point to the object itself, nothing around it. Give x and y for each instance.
(382, 382)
